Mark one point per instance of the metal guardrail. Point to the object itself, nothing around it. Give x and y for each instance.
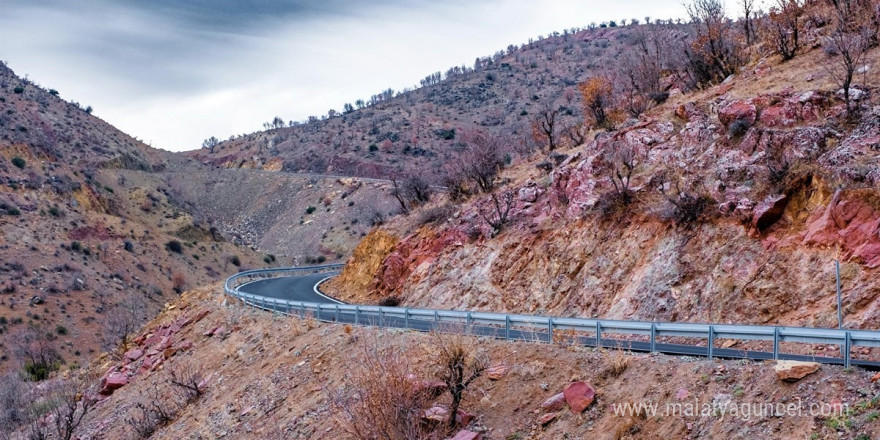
(515, 326)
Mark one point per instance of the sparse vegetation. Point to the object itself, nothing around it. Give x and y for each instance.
(19, 162)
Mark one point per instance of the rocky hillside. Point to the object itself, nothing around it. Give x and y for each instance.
(739, 200)
(421, 129)
(98, 230)
(246, 384)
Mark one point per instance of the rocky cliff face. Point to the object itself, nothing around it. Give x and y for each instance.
(787, 187)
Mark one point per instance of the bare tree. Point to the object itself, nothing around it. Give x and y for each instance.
(620, 159)
(479, 163)
(544, 128)
(210, 143)
(783, 28)
(12, 404)
(460, 362)
(853, 33)
(713, 54)
(748, 7)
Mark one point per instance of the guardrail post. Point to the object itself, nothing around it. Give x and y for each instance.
(653, 338)
(336, 318)
(436, 317)
(711, 340)
(847, 348)
(318, 311)
(550, 330)
(468, 319)
(406, 318)
(381, 318)
(302, 310)
(775, 343)
(357, 315)
(598, 334)
(507, 327)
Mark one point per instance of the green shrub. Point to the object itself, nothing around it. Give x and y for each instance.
(12, 211)
(18, 90)
(174, 246)
(76, 246)
(235, 260)
(373, 148)
(19, 162)
(61, 330)
(310, 209)
(55, 211)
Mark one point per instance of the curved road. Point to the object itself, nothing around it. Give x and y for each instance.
(305, 288)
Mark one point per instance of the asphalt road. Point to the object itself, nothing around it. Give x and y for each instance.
(303, 288)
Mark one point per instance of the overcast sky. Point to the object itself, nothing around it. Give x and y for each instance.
(174, 72)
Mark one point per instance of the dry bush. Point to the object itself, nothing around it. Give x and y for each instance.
(37, 353)
(188, 379)
(380, 399)
(686, 200)
(460, 361)
(619, 360)
(498, 211)
(714, 52)
(121, 322)
(12, 404)
(154, 410)
(545, 128)
(70, 401)
(475, 168)
(436, 214)
(783, 26)
(597, 94)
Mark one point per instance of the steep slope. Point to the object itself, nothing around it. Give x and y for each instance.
(743, 197)
(92, 240)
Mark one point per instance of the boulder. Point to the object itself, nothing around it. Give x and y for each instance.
(547, 418)
(738, 111)
(579, 396)
(112, 382)
(793, 371)
(496, 372)
(555, 403)
(875, 377)
(464, 434)
(769, 211)
(134, 354)
(436, 414)
(463, 418)
(779, 115)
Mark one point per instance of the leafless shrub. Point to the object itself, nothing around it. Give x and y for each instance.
(714, 53)
(70, 402)
(499, 209)
(460, 362)
(436, 214)
(152, 412)
(37, 353)
(411, 189)
(686, 201)
(783, 26)
(12, 404)
(381, 399)
(475, 168)
(853, 34)
(121, 322)
(188, 379)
